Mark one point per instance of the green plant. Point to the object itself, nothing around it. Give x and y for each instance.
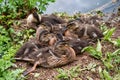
(11, 10)
(73, 72)
(104, 74)
(6, 63)
(7, 52)
(68, 74)
(116, 42)
(103, 27)
(108, 33)
(110, 59)
(95, 52)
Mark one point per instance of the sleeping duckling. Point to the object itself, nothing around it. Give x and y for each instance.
(59, 55)
(46, 38)
(53, 19)
(28, 47)
(44, 26)
(34, 19)
(78, 44)
(71, 28)
(89, 31)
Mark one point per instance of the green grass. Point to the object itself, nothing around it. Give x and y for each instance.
(68, 74)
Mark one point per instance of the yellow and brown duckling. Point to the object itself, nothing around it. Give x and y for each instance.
(89, 31)
(77, 29)
(78, 44)
(71, 28)
(28, 47)
(59, 55)
(46, 38)
(34, 19)
(53, 19)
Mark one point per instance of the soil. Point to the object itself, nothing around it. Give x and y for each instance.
(83, 60)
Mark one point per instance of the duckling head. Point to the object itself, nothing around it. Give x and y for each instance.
(47, 38)
(34, 18)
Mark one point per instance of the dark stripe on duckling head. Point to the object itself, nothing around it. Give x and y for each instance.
(42, 32)
(48, 25)
(59, 36)
(62, 42)
(36, 16)
(73, 25)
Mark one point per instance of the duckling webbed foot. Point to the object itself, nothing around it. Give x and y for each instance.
(26, 72)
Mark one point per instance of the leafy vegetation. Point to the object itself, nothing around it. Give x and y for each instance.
(73, 72)
(111, 60)
(20, 8)
(10, 40)
(7, 51)
(108, 33)
(68, 74)
(116, 42)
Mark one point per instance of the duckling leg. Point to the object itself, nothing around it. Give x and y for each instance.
(26, 72)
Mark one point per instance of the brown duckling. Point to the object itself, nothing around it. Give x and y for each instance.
(71, 28)
(28, 47)
(47, 57)
(46, 38)
(77, 29)
(34, 19)
(53, 19)
(89, 31)
(44, 26)
(78, 44)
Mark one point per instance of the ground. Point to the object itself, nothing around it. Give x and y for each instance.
(83, 60)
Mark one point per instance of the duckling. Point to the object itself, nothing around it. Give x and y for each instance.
(61, 54)
(44, 26)
(78, 44)
(94, 20)
(53, 19)
(46, 38)
(70, 29)
(28, 47)
(78, 29)
(89, 31)
(34, 19)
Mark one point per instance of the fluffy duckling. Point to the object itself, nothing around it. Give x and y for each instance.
(44, 26)
(78, 44)
(46, 38)
(53, 19)
(70, 29)
(47, 57)
(89, 31)
(34, 19)
(28, 47)
(77, 29)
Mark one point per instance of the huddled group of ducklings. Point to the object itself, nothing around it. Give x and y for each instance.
(57, 42)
